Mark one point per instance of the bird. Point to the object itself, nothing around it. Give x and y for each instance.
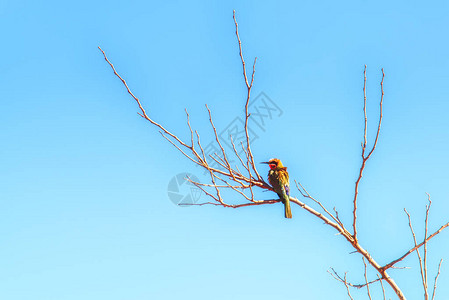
(278, 178)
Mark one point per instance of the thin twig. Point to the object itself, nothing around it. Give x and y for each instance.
(436, 278)
(382, 285)
(342, 280)
(306, 194)
(392, 263)
(421, 266)
(228, 166)
(425, 282)
(366, 280)
(144, 114)
(248, 96)
(347, 288)
(365, 158)
(357, 286)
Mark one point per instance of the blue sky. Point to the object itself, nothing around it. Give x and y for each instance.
(85, 212)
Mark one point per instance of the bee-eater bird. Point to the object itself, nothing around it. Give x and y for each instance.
(278, 178)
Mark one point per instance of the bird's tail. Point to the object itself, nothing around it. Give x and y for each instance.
(288, 210)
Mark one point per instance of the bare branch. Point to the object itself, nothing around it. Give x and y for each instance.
(240, 48)
(419, 255)
(436, 278)
(228, 166)
(400, 268)
(337, 217)
(273, 201)
(357, 286)
(248, 86)
(365, 158)
(342, 280)
(364, 110)
(236, 153)
(366, 280)
(192, 144)
(307, 195)
(144, 114)
(179, 149)
(380, 113)
(347, 288)
(227, 176)
(425, 282)
(249, 172)
(249, 181)
(382, 285)
(392, 263)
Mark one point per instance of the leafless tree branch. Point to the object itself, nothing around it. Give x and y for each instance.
(423, 261)
(436, 279)
(342, 280)
(248, 86)
(382, 286)
(366, 280)
(228, 176)
(392, 263)
(357, 286)
(365, 158)
(417, 252)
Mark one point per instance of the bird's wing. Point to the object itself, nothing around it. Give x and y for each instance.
(286, 181)
(285, 173)
(287, 189)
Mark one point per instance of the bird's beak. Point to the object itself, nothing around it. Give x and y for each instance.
(265, 162)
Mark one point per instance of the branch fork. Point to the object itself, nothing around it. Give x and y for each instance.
(228, 176)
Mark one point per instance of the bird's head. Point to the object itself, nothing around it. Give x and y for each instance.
(274, 163)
